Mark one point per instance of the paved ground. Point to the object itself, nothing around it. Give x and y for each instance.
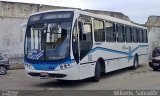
(142, 78)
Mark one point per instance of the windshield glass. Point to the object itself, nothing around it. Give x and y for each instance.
(48, 41)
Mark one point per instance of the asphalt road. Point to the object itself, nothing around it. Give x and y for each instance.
(142, 78)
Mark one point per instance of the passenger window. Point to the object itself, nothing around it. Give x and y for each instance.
(138, 38)
(99, 33)
(121, 33)
(134, 32)
(87, 32)
(110, 32)
(145, 36)
(141, 39)
(128, 34)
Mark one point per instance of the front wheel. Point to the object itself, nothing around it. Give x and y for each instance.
(97, 73)
(3, 70)
(135, 63)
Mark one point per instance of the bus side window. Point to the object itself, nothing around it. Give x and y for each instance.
(114, 32)
(120, 31)
(134, 32)
(145, 36)
(99, 33)
(141, 36)
(86, 34)
(109, 27)
(128, 34)
(131, 34)
(137, 31)
(124, 33)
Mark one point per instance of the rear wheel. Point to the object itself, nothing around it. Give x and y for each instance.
(3, 70)
(135, 63)
(97, 73)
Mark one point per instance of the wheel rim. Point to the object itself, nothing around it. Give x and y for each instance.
(2, 70)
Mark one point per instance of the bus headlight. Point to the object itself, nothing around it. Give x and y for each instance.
(29, 66)
(64, 66)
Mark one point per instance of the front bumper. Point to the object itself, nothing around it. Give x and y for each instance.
(49, 75)
(8, 67)
(67, 74)
(154, 65)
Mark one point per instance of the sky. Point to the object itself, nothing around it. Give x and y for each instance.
(137, 10)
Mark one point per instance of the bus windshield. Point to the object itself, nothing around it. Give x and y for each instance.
(48, 41)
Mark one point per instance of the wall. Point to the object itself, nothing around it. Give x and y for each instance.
(153, 24)
(12, 17)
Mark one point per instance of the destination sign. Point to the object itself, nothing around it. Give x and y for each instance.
(57, 16)
(34, 18)
(51, 15)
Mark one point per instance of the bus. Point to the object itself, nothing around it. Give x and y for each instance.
(71, 44)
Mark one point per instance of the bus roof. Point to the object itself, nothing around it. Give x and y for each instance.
(100, 16)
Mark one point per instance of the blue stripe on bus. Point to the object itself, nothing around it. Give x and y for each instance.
(116, 51)
(128, 54)
(66, 60)
(139, 47)
(48, 66)
(110, 59)
(106, 49)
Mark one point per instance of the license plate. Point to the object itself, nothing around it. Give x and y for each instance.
(44, 74)
(156, 64)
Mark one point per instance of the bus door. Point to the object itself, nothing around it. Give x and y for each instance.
(85, 46)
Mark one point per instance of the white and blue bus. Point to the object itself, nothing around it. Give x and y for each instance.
(70, 44)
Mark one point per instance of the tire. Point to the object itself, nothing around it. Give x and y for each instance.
(135, 63)
(155, 69)
(60, 80)
(3, 70)
(97, 73)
